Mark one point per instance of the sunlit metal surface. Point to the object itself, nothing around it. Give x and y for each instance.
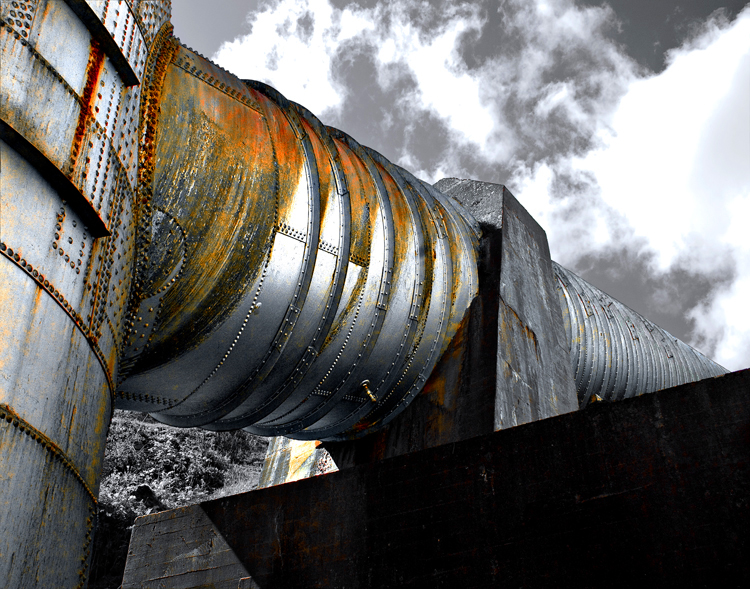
(70, 74)
(285, 265)
(618, 354)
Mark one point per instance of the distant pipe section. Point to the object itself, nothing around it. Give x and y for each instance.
(615, 352)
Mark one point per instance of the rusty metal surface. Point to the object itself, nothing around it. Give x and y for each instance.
(119, 31)
(70, 104)
(48, 515)
(69, 118)
(617, 353)
(290, 460)
(284, 265)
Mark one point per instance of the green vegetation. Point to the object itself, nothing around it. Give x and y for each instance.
(149, 467)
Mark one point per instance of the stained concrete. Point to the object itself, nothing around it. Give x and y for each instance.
(533, 373)
(190, 553)
(648, 491)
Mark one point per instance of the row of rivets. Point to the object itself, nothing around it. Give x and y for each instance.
(184, 62)
(145, 398)
(346, 340)
(293, 233)
(11, 417)
(254, 309)
(39, 57)
(20, 15)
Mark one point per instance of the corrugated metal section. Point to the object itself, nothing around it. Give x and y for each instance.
(618, 354)
(293, 282)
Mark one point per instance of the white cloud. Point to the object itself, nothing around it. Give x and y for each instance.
(651, 167)
(300, 66)
(722, 322)
(675, 166)
(605, 155)
(436, 70)
(290, 48)
(552, 73)
(556, 66)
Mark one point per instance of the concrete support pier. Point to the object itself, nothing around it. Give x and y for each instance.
(648, 490)
(508, 364)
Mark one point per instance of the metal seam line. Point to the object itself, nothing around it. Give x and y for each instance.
(9, 415)
(47, 287)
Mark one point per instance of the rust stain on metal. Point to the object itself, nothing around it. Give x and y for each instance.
(88, 98)
(49, 288)
(443, 387)
(276, 173)
(159, 56)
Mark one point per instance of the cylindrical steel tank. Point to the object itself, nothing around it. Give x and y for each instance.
(615, 352)
(70, 74)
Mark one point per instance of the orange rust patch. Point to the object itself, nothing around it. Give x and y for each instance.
(93, 73)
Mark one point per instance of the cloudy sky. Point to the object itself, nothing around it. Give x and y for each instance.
(622, 126)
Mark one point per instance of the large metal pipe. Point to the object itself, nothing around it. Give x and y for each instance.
(291, 281)
(179, 241)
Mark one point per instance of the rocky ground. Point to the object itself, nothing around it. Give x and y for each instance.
(149, 467)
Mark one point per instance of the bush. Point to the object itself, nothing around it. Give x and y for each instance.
(149, 467)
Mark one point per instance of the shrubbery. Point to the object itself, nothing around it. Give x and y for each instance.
(149, 467)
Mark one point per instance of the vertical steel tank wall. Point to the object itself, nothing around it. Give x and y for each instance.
(69, 114)
(615, 352)
(293, 282)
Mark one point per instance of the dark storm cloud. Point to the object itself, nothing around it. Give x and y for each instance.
(665, 299)
(204, 26)
(648, 28)
(305, 24)
(369, 114)
(424, 138)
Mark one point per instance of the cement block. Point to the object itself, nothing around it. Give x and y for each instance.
(534, 379)
(181, 549)
(647, 491)
(508, 363)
